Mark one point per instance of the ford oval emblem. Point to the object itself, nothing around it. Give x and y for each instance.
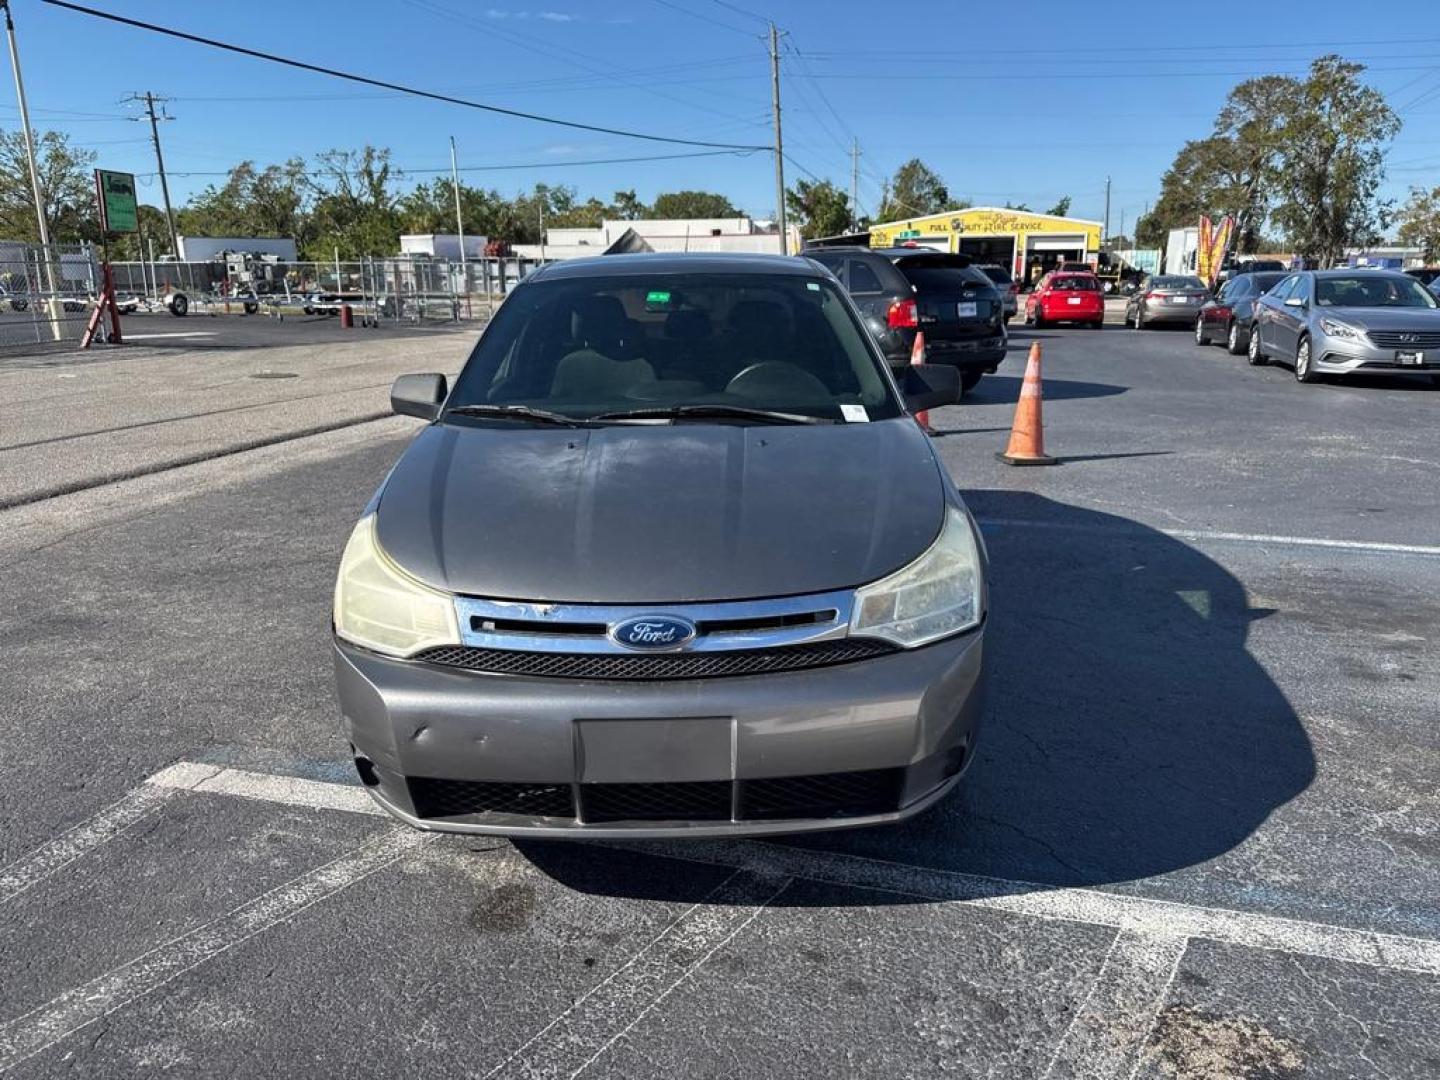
(653, 633)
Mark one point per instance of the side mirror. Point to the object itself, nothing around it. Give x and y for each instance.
(929, 386)
(1294, 301)
(418, 395)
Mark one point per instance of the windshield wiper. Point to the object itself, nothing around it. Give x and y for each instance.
(735, 412)
(515, 412)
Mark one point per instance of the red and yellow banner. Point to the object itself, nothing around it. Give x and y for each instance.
(1210, 252)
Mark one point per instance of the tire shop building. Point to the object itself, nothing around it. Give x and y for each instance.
(1026, 243)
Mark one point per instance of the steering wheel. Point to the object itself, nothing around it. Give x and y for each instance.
(778, 381)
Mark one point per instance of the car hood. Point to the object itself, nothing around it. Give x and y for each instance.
(1379, 318)
(661, 513)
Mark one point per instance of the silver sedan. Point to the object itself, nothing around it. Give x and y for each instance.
(1335, 322)
(1165, 298)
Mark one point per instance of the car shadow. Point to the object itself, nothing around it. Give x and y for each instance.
(1006, 388)
(1130, 733)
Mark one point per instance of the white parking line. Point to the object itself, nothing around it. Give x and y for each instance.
(1108, 1031)
(28, 1035)
(580, 1035)
(1161, 918)
(266, 787)
(1371, 547)
(88, 835)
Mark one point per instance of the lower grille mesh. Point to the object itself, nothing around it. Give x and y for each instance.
(659, 666)
(846, 794)
(461, 798)
(705, 800)
(873, 791)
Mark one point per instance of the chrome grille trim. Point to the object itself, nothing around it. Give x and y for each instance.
(831, 612)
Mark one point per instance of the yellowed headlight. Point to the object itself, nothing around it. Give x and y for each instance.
(939, 594)
(380, 607)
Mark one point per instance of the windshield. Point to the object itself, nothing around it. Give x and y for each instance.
(581, 348)
(1175, 282)
(1075, 284)
(997, 274)
(1372, 291)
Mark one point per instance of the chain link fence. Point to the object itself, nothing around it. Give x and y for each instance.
(46, 297)
(377, 290)
(46, 294)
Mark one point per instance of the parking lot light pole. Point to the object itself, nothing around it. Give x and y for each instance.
(460, 226)
(29, 148)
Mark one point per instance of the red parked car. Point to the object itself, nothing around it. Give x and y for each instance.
(1066, 297)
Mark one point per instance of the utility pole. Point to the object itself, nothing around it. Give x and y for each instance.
(460, 226)
(1105, 239)
(35, 190)
(150, 101)
(779, 142)
(854, 184)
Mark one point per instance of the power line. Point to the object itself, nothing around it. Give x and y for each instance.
(704, 18)
(1180, 48)
(385, 85)
(741, 11)
(403, 170)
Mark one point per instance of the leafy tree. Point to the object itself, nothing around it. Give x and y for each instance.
(1304, 153)
(820, 208)
(692, 204)
(1419, 222)
(153, 226)
(252, 202)
(354, 209)
(1061, 207)
(914, 191)
(66, 183)
(1333, 161)
(1018, 206)
(627, 206)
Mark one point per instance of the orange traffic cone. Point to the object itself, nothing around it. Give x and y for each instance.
(917, 356)
(1027, 434)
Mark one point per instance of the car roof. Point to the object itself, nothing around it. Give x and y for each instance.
(674, 263)
(1352, 271)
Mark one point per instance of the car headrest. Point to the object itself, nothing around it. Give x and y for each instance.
(599, 321)
(756, 319)
(687, 325)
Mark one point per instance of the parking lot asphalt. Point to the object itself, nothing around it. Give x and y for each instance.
(1200, 837)
(70, 421)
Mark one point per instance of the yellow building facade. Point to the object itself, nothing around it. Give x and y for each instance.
(1027, 244)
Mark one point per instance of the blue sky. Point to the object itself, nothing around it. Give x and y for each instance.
(1025, 102)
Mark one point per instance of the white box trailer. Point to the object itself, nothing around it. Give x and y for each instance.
(442, 245)
(213, 248)
(1181, 249)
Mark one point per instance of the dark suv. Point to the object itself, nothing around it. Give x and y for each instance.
(902, 291)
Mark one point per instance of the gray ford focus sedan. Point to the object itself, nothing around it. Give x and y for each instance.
(671, 557)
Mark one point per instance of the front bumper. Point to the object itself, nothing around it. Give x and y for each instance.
(864, 743)
(1339, 356)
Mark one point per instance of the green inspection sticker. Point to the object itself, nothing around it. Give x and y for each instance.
(657, 298)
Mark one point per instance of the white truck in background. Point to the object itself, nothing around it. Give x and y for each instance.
(1180, 250)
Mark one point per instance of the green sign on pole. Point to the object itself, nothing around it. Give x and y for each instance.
(116, 195)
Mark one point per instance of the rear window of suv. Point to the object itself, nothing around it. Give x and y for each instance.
(1075, 284)
(931, 279)
(997, 274)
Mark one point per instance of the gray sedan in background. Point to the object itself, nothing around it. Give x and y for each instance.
(1337, 322)
(1165, 298)
(671, 557)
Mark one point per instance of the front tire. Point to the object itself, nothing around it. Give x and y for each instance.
(1304, 363)
(1140, 318)
(969, 380)
(179, 305)
(1200, 338)
(1252, 351)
